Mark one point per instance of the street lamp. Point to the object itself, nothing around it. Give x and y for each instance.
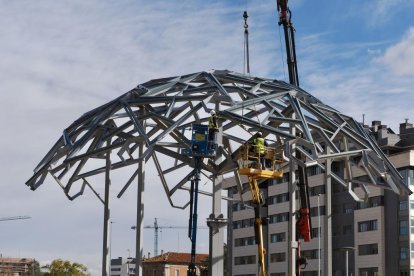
(347, 249)
(319, 240)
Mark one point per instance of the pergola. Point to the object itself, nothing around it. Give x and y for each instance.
(153, 121)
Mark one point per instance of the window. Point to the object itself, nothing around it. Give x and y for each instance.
(177, 272)
(317, 190)
(408, 175)
(279, 198)
(368, 249)
(412, 226)
(404, 253)
(282, 180)
(310, 254)
(278, 237)
(369, 225)
(279, 218)
(368, 271)
(314, 170)
(371, 202)
(244, 241)
(278, 274)
(278, 257)
(314, 211)
(412, 250)
(243, 260)
(348, 208)
(315, 232)
(244, 223)
(403, 227)
(403, 205)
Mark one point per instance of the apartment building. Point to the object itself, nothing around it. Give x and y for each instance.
(17, 266)
(172, 264)
(122, 267)
(377, 234)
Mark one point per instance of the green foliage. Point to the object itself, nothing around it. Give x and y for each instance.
(37, 271)
(65, 268)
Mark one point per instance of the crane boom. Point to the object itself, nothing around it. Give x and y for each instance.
(14, 218)
(303, 224)
(156, 228)
(285, 16)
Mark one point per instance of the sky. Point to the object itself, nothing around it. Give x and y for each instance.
(60, 59)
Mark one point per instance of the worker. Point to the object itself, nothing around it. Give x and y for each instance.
(212, 128)
(259, 147)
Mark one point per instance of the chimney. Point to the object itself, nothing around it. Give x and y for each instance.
(149, 255)
(405, 126)
(162, 252)
(375, 125)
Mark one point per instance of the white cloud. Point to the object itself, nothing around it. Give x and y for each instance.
(355, 83)
(63, 58)
(380, 12)
(399, 58)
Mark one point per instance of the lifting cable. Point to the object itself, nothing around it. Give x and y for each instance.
(282, 55)
(246, 65)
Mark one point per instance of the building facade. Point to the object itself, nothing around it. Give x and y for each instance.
(123, 267)
(172, 264)
(16, 266)
(377, 235)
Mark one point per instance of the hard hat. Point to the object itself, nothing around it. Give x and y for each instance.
(259, 133)
(212, 112)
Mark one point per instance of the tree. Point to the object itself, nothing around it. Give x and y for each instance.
(36, 269)
(65, 268)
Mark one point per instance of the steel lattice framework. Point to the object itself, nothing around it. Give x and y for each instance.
(155, 119)
(160, 113)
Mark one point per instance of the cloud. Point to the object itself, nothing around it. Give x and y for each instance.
(380, 12)
(399, 58)
(355, 83)
(63, 58)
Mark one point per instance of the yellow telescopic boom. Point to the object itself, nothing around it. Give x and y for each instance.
(257, 167)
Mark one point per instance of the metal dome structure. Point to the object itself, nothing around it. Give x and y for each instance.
(153, 120)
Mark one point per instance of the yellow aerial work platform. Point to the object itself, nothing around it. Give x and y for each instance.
(265, 166)
(256, 166)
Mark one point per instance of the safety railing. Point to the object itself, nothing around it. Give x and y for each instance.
(260, 157)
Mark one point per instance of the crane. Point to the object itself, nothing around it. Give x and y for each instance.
(14, 218)
(157, 228)
(304, 222)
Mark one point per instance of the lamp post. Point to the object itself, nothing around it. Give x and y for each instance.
(319, 240)
(347, 249)
(110, 246)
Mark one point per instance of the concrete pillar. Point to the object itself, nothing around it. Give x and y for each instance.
(327, 233)
(107, 218)
(139, 250)
(293, 245)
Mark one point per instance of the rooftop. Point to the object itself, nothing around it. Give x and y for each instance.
(176, 258)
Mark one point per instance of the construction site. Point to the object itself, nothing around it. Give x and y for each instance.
(308, 190)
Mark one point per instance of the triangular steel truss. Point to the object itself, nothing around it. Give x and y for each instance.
(159, 113)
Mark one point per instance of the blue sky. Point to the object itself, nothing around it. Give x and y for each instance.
(60, 59)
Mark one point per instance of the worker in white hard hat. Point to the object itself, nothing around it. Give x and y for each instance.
(212, 127)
